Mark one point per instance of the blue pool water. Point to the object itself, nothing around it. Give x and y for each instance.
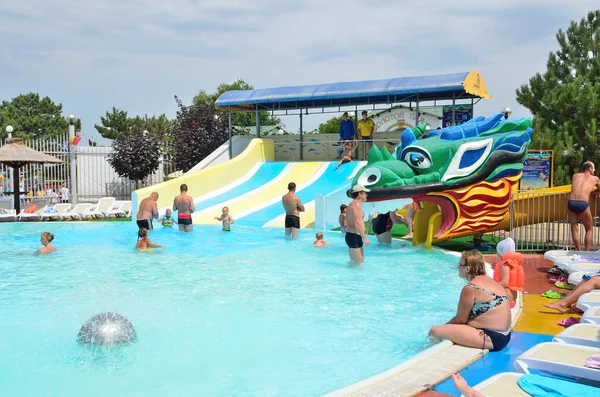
(217, 314)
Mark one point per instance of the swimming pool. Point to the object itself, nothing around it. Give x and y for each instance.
(217, 314)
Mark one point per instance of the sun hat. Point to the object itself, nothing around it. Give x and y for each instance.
(360, 188)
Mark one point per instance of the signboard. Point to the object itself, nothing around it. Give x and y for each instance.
(537, 170)
(400, 117)
(462, 114)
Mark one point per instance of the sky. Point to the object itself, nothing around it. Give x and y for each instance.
(137, 54)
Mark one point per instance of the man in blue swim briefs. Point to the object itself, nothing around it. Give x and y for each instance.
(355, 225)
(579, 206)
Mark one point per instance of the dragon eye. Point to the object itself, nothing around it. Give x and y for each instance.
(369, 176)
(417, 159)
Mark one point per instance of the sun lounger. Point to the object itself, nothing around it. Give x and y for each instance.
(591, 316)
(559, 358)
(580, 334)
(589, 300)
(573, 267)
(58, 209)
(122, 210)
(501, 385)
(104, 205)
(562, 255)
(32, 216)
(75, 212)
(8, 215)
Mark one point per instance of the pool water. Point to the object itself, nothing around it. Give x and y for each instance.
(245, 313)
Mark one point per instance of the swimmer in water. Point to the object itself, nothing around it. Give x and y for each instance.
(319, 242)
(144, 242)
(46, 238)
(226, 219)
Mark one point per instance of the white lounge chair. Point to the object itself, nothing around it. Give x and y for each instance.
(562, 255)
(122, 210)
(32, 216)
(501, 385)
(58, 208)
(573, 267)
(9, 215)
(76, 212)
(104, 205)
(589, 300)
(591, 316)
(580, 334)
(559, 358)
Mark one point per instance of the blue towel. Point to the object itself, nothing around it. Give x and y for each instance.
(541, 386)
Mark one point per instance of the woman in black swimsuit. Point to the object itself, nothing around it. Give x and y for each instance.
(483, 317)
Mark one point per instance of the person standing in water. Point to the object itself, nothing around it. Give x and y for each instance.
(355, 225)
(184, 205)
(147, 211)
(293, 206)
(46, 238)
(226, 219)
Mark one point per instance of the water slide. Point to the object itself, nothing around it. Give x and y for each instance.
(251, 185)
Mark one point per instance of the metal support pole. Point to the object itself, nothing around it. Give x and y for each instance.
(301, 138)
(417, 112)
(73, 149)
(472, 107)
(230, 131)
(16, 189)
(453, 107)
(257, 122)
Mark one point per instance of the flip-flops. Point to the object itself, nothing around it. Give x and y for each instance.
(552, 294)
(557, 278)
(563, 285)
(567, 322)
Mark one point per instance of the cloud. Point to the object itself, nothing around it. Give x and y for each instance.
(137, 54)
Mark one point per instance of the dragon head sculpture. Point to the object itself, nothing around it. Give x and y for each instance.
(461, 169)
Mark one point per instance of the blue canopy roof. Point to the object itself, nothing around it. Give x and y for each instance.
(402, 89)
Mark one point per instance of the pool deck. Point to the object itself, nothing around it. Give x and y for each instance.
(532, 323)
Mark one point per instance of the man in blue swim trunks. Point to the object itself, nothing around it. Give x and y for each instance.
(579, 203)
(355, 225)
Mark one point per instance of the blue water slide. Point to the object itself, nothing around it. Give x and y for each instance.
(331, 179)
(264, 174)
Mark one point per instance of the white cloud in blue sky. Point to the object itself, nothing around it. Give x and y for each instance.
(137, 54)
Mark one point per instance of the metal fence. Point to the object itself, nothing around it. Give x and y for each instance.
(540, 222)
(316, 150)
(95, 177)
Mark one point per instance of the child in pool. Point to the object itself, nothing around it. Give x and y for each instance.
(342, 217)
(46, 238)
(144, 242)
(349, 148)
(226, 219)
(319, 242)
(167, 220)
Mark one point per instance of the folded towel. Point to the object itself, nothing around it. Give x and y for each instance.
(593, 361)
(50, 211)
(541, 386)
(576, 257)
(2, 211)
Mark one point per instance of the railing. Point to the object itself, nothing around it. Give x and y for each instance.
(315, 150)
(539, 222)
(96, 178)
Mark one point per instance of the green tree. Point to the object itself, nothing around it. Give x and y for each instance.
(241, 119)
(33, 117)
(565, 99)
(114, 125)
(331, 126)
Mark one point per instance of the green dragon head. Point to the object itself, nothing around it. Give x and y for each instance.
(447, 159)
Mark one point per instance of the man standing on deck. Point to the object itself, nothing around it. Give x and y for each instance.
(365, 128)
(355, 225)
(184, 205)
(293, 206)
(346, 132)
(147, 211)
(579, 203)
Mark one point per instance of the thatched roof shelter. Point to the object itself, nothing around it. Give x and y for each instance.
(16, 154)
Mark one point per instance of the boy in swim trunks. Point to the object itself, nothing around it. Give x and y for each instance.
(349, 148)
(167, 220)
(226, 219)
(342, 217)
(578, 204)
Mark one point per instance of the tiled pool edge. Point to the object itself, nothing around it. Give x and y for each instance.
(422, 371)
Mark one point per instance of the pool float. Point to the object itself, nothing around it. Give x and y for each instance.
(107, 329)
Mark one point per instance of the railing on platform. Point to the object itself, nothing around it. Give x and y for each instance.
(540, 222)
(316, 150)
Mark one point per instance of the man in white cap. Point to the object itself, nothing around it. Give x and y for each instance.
(355, 225)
